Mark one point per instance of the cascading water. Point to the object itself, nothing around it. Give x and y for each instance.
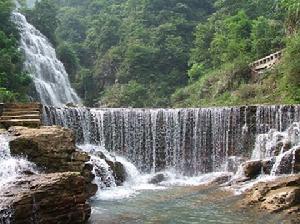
(11, 167)
(281, 146)
(191, 141)
(167, 146)
(48, 73)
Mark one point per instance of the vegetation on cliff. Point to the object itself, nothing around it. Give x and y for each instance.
(154, 53)
(14, 83)
(237, 34)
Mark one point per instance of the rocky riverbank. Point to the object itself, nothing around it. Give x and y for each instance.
(60, 193)
(281, 195)
(45, 198)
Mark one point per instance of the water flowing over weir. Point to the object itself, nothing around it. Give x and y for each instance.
(192, 141)
(49, 75)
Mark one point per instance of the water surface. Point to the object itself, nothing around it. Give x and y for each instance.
(178, 205)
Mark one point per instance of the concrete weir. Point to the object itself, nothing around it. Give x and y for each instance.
(191, 140)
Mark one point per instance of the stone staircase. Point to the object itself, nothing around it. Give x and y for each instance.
(28, 115)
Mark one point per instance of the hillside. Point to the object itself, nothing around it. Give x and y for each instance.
(14, 83)
(173, 53)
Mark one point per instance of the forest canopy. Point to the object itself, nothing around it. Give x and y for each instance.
(171, 53)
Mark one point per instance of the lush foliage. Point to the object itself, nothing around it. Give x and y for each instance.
(13, 83)
(173, 52)
(238, 33)
(123, 49)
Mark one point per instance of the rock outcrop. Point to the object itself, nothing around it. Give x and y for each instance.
(52, 149)
(60, 193)
(45, 199)
(282, 194)
(117, 168)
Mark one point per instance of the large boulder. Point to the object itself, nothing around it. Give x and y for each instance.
(282, 198)
(117, 168)
(45, 199)
(252, 168)
(119, 172)
(52, 149)
(289, 162)
(158, 178)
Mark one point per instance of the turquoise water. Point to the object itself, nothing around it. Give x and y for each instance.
(178, 205)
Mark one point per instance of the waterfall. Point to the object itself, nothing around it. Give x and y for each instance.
(192, 141)
(281, 146)
(11, 167)
(49, 75)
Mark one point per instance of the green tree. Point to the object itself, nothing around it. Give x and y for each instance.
(292, 9)
(13, 82)
(69, 58)
(44, 18)
(266, 36)
(291, 67)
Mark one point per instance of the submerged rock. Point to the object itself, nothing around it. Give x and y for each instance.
(45, 199)
(225, 178)
(158, 178)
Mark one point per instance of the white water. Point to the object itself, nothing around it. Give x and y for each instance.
(193, 141)
(48, 73)
(189, 146)
(11, 167)
(279, 145)
(137, 182)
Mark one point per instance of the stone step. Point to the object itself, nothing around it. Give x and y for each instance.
(21, 117)
(19, 113)
(23, 106)
(20, 109)
(33, 123)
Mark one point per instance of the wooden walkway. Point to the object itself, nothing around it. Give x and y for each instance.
(28, 115)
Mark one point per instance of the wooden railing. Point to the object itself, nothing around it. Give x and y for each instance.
(263, 64)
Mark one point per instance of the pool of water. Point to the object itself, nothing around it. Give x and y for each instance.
(177, 205)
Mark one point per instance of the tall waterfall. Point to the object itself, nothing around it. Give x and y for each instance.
(48, 73)
(192, 141)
